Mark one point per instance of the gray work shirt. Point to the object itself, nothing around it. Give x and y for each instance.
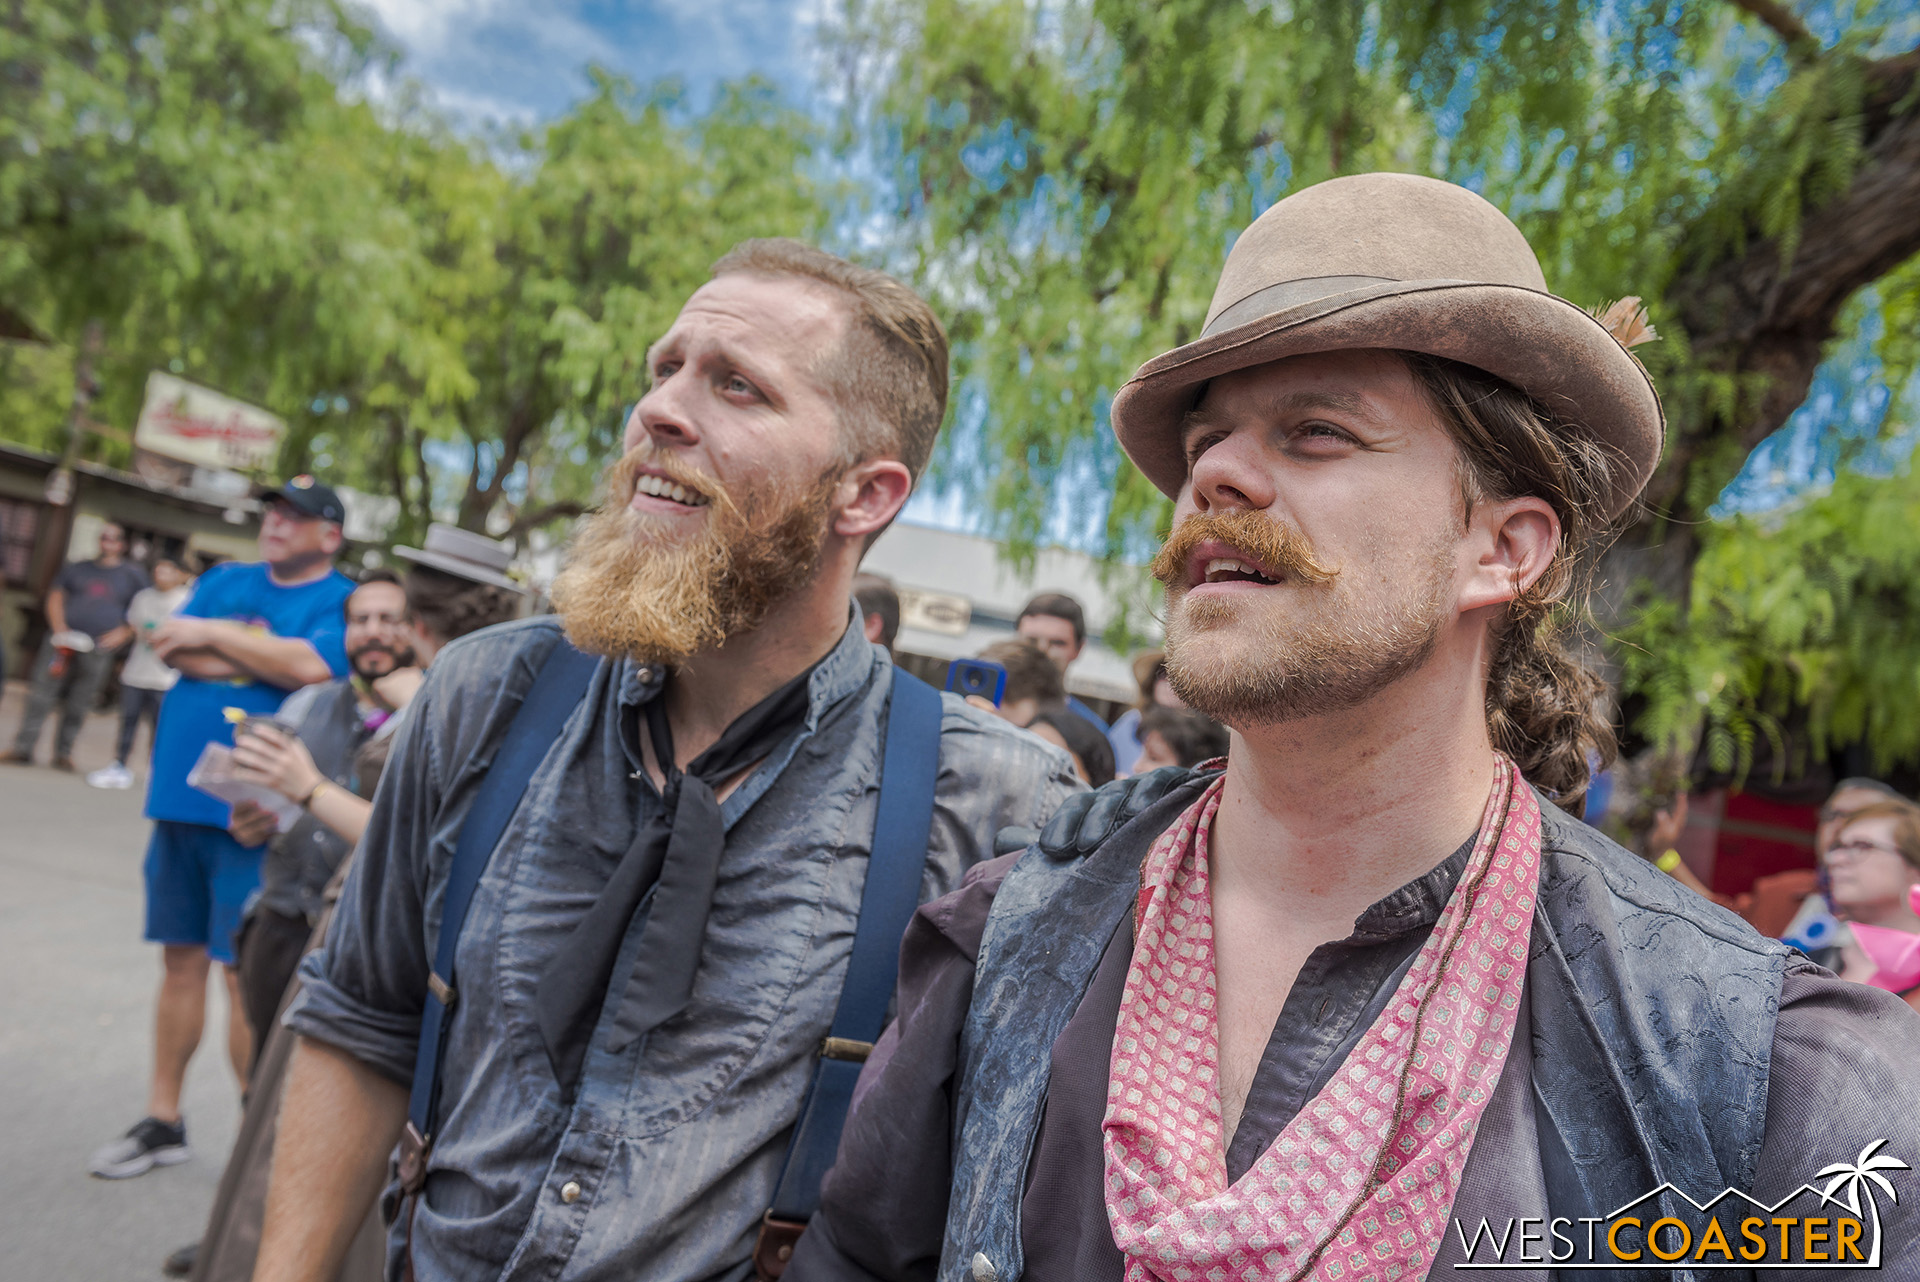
(667, 1159)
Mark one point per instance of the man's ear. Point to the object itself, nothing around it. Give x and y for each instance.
(1511, 542)
(335, 536)
(869, 496)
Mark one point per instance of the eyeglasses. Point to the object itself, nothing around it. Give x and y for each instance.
(1862, 849)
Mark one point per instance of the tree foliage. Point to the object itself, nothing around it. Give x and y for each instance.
(207, 180)
(1798, 637)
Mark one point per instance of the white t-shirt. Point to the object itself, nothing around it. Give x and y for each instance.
(150, 608)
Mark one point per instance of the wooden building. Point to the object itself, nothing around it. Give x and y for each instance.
(195, 526)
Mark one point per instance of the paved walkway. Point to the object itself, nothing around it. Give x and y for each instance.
(76, 1011)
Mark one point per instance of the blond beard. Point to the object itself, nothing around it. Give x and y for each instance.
(627, 592)
(1244, 665)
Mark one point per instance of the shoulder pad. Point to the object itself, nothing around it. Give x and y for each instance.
(1086, 819)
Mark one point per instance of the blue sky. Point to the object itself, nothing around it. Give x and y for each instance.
(514, 61)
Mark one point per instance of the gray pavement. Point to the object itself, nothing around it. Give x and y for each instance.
(76, 1010)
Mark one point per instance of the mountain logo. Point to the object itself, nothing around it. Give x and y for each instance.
(1830, 1226)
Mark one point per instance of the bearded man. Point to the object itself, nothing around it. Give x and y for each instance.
(1298, 1016)
(652, 957)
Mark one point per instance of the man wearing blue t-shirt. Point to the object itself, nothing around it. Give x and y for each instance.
(249, 634)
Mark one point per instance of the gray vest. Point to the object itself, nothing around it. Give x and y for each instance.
(1652, 1018)
(300, 861)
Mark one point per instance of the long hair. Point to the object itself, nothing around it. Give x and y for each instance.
(1545, 700)
(448, 606)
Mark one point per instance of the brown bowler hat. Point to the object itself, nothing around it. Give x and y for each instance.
(1397, 261)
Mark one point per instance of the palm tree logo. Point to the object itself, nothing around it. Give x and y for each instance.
(1855, 1177)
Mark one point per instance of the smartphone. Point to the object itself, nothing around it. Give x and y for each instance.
(983, 677)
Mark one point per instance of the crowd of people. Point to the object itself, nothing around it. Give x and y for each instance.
(561, 941)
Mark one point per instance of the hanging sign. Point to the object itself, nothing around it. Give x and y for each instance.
(934, 611)
(194, 424)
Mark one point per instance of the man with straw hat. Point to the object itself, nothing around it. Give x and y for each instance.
(1297, 1017)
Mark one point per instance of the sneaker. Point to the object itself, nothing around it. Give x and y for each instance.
(180, 1263)
(64, 764)
(113, 776)
(150, 1143)
(13, 758)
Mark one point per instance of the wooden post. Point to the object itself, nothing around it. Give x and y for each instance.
(62, 485)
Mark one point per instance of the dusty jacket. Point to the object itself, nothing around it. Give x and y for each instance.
(1652, 1030)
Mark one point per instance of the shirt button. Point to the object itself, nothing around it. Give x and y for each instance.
(570, 1192)
(983, 1270)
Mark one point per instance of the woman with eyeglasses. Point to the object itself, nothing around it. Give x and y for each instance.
(1873, 868)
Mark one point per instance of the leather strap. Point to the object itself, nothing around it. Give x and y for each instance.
(773, 1250)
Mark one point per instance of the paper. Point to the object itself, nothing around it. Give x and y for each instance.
(213, 775)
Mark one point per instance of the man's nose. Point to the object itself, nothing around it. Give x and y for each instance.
(664, 415)
(1232, 475)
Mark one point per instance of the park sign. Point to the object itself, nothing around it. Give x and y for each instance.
(197, 425)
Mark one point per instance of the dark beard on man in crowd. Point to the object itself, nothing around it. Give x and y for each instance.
(1323, 649)
(627, 591)
(396, 657)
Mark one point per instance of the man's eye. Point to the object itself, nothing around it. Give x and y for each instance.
(1200, 445)
(665, 370)
(1324, 432)
(741, 386)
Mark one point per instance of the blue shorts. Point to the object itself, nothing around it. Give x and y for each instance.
(198, 882)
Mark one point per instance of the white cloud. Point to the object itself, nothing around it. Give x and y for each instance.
(506, 60)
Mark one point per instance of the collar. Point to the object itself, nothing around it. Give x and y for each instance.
(847, 668)
(1417, 904)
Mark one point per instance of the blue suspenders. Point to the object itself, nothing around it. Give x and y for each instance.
(556, 691)
(908, 768)
(910, 762)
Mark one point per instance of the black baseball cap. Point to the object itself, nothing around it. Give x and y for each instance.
(315, 498)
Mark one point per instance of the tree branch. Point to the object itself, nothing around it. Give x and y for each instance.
(1800, 42)
(1766, 322)
(1861, 235)
(548, 514)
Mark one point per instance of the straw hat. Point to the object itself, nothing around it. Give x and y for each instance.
(1398, 261)
(464, 554)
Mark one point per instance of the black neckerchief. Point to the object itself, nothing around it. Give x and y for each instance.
(680, 851)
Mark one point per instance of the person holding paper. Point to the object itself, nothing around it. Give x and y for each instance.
(250, 635)
(456, 585)
(330, 723)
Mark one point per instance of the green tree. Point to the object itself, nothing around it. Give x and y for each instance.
(190, 178)
(1798, 635)
(207, 184)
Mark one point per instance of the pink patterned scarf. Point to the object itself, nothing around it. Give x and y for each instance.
(1358, 1185)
